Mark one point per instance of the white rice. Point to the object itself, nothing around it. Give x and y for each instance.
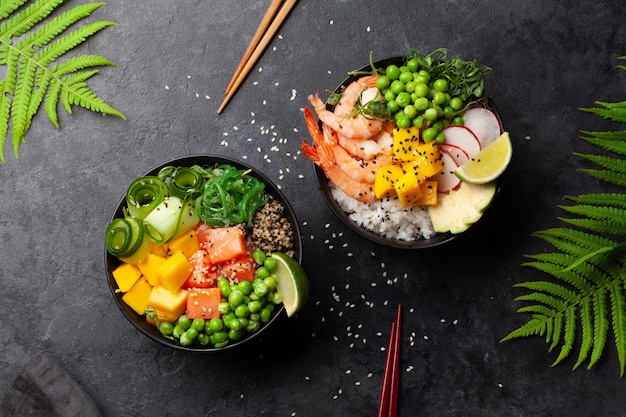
(386, 217)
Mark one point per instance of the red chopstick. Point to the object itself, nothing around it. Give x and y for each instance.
(388, 405)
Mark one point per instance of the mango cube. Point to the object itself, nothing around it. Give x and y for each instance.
(408, 188)
(149, 268)
(137, 297)
(160, 250)
(174, 271)
(125, 276)
(168, 303)
(429, 193)
(405, 142)
(386, 178)
(187, 243)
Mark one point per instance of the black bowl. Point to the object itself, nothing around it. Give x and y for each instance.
(322, 182)
(112, 262)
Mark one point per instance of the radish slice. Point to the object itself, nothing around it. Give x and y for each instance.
(446, 179)
(483, 123)
(462, 138)
(459, 155)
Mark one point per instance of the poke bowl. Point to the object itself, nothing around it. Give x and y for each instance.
(404, 175)
(201, 276)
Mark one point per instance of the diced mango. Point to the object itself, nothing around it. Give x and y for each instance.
(137, 297)
(429, 193)
(149, 268)
(405, 142)
(386, 178)
(408, 188)
(174, 271)
(125, 276)
(429, 159)
(187, 243)
(168, 303)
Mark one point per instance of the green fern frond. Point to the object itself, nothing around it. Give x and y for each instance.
(606, 162)
(33, 45)
(600, 199)
(586, 297)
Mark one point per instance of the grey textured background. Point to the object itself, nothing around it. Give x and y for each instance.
(174, 60)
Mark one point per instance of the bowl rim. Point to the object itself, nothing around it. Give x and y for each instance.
(437, 239)
(139, 321)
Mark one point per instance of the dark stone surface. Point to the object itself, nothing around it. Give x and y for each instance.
(174, 60)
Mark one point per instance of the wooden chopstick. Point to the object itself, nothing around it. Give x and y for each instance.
(383, 405)
(258, 50)
(388, 405)
(260, 31)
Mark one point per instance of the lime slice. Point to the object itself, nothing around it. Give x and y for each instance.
(489, 163)
(293, 284)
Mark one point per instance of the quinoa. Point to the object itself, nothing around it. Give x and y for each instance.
(271, 231)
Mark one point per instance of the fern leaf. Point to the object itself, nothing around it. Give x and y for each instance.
(600, 326)
(611, 226)
(586, 331)
(534, 327)
(616, 145)
(608, 176)
(569, 335)
(557, 332)
(600, 199)
(609, 163)
(618, 318)
(566, 295)
(32, 44)
(613, 114)
(615, 135)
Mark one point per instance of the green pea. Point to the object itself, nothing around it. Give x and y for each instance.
(235, 334)
(235, 298)
(402, 120)
(178, 331)
(440, 84)
(429, 134)
(439, 98)
(456, 103)
(166, 328)
(233, 324)
(225, 291)
(403, 99)
(245, 287)
(198, 324)
(438, 125)
(383, 82)
(254, 307)
(253, 326)
(258, 256)
(220, 337)
(184, 322)
(422, 90)
(392, 72)
(265, 314)
(255, 317)
(215, 324)
(243, 322)
(422, 103)
(397, 86)
(405, 77)
(223, 308)
(392, 107)
(277, 298)
(419, 122)
(409, 87)
(449, 112)
(270, 264)
(260, 289)
(440, 138)
(413, 65)
(458, 121)
(242, 311)
(262, 272)
(270, 282)
(431, 114)
(203, 339)
(403, 68)
(425, 74)
(419, 78)
(189, 336)
(389, 95)
(410, 111)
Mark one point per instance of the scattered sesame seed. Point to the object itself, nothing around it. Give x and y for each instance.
(167, 87)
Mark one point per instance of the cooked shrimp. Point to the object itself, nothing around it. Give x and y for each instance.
(379, 144)
(351, 94)
(360, 191)
(357, 127)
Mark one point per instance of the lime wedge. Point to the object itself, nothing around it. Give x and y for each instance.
(489, 163)
(293, 284)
